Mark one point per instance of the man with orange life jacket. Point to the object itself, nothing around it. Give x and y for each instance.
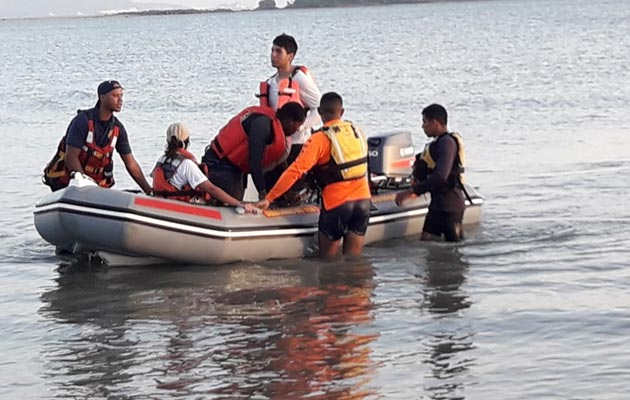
(290, 83)
(90, 141)
(337, 154)
(252, 142)
(177, 175)
(437, 170)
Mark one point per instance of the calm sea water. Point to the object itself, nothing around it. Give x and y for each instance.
(533, 305)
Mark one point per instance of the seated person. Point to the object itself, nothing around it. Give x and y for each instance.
(178, 176)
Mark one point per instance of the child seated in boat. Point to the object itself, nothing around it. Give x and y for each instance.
(178, 176)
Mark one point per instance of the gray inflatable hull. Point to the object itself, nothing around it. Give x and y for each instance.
(95, 220)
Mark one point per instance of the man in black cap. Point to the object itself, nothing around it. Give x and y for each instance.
(89, 143)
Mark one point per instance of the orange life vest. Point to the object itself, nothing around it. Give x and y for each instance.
(164, 170)
(95, 160)
(231, 142)
(288, 89)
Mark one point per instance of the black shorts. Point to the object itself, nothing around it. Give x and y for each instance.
(351, 216)
(440, 223)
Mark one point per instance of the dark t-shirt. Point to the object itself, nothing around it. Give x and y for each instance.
(259, 132)
(78, 128)
(446, 194)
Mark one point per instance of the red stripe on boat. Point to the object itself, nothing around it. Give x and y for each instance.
(179, 208)
(407, 162)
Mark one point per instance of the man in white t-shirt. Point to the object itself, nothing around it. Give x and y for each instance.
(290, 83)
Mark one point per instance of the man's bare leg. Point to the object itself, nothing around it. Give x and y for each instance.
(353, 244)
(328, 249)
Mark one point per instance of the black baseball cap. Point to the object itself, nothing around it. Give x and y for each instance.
(107, 86)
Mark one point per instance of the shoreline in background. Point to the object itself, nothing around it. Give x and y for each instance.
(263, 5)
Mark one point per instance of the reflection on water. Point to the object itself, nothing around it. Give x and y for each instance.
(273, 331)
(444, 276)
(243, 331)
(548, 272)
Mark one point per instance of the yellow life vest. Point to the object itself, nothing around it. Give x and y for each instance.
(348, 154)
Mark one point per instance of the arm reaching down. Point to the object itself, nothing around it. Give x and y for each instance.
(72, 159)
(219, 194)
(135, 172)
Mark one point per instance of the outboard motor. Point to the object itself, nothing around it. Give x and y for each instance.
(390, 160)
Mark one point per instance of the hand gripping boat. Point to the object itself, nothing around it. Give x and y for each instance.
(116, 225)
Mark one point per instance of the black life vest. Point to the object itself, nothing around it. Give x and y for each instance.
(425, 164)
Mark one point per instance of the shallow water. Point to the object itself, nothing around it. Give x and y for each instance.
(533, 305)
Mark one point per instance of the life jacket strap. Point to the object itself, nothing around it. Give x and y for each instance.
(216, 146)
(353, 163)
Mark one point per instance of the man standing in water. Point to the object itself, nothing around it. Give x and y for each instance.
(290, 83)
(437, 170)
(90, 141)
(337, 155)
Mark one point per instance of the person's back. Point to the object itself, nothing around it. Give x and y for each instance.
(337, 154)
(329, 171)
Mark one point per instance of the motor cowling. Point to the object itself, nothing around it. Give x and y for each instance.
(390, 159)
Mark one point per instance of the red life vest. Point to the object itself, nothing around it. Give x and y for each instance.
(231, 142)
(164, 170)
(95, 160)
(288, 89)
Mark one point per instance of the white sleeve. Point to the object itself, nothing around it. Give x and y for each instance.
(310, 96)
(273, 91)
(188, 173)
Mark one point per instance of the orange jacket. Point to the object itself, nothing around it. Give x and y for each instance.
(316, 151)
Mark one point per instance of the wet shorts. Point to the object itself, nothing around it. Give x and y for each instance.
(440, 223)
(351, 216)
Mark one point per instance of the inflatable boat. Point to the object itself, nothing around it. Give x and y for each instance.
(120, 226)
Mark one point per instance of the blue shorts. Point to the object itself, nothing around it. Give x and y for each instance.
(351, 216)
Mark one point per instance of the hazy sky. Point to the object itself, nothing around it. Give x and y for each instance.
(45, 8)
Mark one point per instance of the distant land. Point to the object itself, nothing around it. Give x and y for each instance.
(271, 5)
(182, 11)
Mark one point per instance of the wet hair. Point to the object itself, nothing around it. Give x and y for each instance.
(436, 111)
(286, 42)
(292, 111)
(331, 99)
(174, 144)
